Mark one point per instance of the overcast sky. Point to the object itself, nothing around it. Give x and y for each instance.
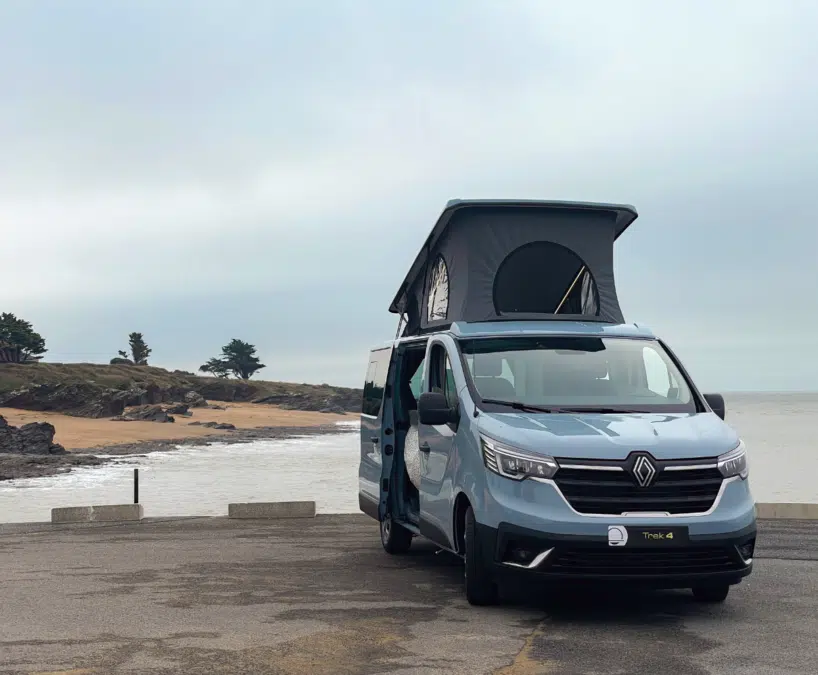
(204, 170)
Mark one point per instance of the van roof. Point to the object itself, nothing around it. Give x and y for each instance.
(499, 328)
(461, 329)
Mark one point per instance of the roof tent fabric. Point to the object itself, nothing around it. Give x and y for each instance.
(492, 260)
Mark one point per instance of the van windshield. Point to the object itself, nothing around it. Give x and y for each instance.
(576, 373)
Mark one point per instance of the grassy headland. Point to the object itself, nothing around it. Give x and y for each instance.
(69, 387)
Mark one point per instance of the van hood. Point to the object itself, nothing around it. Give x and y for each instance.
(612, 436)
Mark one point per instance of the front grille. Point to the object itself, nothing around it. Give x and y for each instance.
(588, 561)
(615, 492)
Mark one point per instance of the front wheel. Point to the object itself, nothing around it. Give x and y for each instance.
(716, 593)
(394, 536)
(481, 589)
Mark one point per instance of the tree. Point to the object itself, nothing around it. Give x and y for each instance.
(19, 342)
(139, 350)
(238, 357)
(215, 367)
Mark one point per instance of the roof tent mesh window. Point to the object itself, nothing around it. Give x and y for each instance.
(545, 278)
(437, 307)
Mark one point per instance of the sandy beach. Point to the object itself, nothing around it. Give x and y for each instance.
(85, 438)
(75, 433)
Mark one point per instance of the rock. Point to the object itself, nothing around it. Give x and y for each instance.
(213, 406)
(195, 400)
(80, 399)
(175, 394)
(273, 399)
(146, 413)
(34, 438)
(104, 406)
(154, 394)
(133, 396)
(177, 409)
(218, 425)
(339, 401)
(223, 389)
(194, 424)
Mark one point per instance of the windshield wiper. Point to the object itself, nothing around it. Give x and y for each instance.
(600, 410)
(525, 407)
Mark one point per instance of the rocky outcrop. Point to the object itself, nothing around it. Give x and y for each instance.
(89, 399)
(83, 399)
(195, 400)
(222, 389)
(90, 390)
(145, 413)
(214, 425)
(302, 401)
(35, 438)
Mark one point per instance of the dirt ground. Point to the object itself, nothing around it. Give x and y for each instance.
(80, 432)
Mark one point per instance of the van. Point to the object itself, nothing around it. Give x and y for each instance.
(518, 421)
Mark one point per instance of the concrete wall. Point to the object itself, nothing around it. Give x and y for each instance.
(110, 513)
(272, 510)
(307, 509)
(796, 511)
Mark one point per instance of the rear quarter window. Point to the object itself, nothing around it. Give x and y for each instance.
(375, 382)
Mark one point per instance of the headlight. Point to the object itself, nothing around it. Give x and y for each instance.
(514, 464)
(734, 463)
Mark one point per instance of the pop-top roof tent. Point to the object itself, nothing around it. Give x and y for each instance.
(493, 260)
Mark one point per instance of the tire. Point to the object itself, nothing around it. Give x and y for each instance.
(715, 593)
(396, 539)
(481, 588)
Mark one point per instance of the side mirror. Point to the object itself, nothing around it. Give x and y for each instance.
(433, 409)
(716, 401)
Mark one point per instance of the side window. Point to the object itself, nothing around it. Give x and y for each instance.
(658, 378)
(416, 383)
(441, 376)
(507, 373)
(375, 381)
(449, 387)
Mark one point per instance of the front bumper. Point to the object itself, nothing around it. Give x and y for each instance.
(562, 544)
(702, 560)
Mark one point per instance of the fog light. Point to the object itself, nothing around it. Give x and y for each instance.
(746, 550)
(522, 555)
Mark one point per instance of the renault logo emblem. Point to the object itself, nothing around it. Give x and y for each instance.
(643, 471)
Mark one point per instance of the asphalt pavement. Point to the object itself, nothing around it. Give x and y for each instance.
(212, 595)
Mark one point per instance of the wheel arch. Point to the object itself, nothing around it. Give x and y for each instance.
(461, 505)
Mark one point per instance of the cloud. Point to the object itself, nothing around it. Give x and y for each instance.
(197, 156)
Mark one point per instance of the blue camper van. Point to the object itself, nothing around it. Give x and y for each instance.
(519, 422)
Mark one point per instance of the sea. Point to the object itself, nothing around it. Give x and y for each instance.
(779, 430)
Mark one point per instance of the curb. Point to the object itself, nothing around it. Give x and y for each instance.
(108, 513)
(793, 511)
(268, 510)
